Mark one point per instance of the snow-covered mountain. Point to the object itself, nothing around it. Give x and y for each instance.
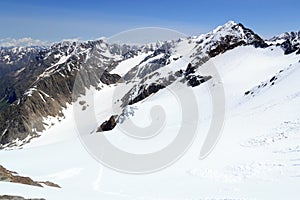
(49, 93)
(58, 67)
(289, 41)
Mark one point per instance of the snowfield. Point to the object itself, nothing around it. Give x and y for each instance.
(257, 156)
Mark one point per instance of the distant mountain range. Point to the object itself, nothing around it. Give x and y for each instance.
(37, 81)
(59, 103)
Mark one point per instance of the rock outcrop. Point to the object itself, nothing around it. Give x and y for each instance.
(39, 81)
(10, 197)
(109, 124)
(13, 177)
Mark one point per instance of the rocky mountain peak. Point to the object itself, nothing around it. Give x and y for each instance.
(289, 41)
(231, 28)
(292, 36)
(224, 38)
(38, 82)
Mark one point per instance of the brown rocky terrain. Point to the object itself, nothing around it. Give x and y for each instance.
(9, 197)
(50, 89)
(13, 177)
(39, 82)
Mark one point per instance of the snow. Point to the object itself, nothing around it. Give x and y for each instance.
(185, 47)
(19, 71)
(62, 60)
(30, 91)
(56, 131)
(258, 64)
(42, 97)
(3, 133)
(123, 67)
(56, 56)
(257, 156)
(44, 93)
(62, 175)
(6, 57)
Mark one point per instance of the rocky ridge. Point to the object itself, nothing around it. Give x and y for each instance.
(13, 177)
(40, 81)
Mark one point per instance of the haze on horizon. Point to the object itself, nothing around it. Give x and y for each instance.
(57, 20)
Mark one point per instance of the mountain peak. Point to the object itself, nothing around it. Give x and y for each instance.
(227, 26)
(292, 36)
(289, 41)
(228, 36)
(230, 23)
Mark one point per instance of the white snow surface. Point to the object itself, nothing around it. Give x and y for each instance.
(257, 157)
(128, 64)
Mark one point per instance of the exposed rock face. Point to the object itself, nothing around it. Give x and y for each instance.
(13, 177)
(50, 184)
(38, 82)
(195, 80)
(290, 42)
(146, 91)
(209, 45)
(224, 38)
(150, 64)
(9, 176)
(50, 89)
(18, 69)
(9, 197)
(108, 125)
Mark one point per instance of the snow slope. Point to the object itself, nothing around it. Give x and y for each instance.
(257, 157)
(126, 65)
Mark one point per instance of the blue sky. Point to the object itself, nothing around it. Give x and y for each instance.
(59, 19)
